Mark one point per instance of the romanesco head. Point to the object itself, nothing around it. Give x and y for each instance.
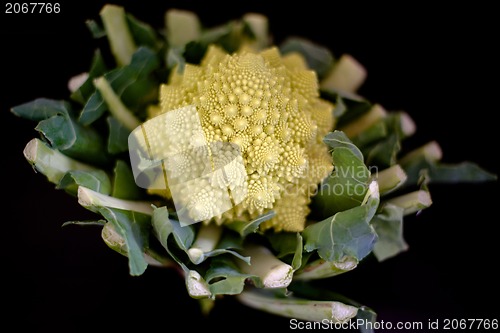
(269, 106)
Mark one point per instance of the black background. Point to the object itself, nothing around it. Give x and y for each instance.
(436, 63)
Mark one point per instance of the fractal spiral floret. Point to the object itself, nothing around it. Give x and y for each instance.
(269, 106)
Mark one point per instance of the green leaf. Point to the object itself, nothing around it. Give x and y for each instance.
(124, 186)
(464, 172)
(285, 243)
(97, 68)
(175, 59)
(134, 84)
(58, 127)
(337, 139)
(41, 109)
(96, 180)
(318, 57)
(118, 136)
(385, 152)
(142, 33)
(347, 185)
(93, 109)
(388, 224)
(230, 240)
(224, 277)
(164, 227)
(67, 135)
(246, 228)
(353, 106)
(134, 228)
(372, 134)
(340, 107)
(347, 233)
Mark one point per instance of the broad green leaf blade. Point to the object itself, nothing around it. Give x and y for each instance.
(298, 308)
(374, 133)
(93, 109)
(246, 228)
(41, 109)
(124, 186)
(319, 58)
(385, 152)
(464, 172)
(353, 106)
(284, 243)
(337, 139)
(97, 68)
(388, 224)
(63, 132)
(58, 130)
(134, 228)
(288, 245)
(347, 185)
(347, 233)
(224, 277)
(142, 33)
(118, 136)
(164, 227)
(96, 180)
(135, 84)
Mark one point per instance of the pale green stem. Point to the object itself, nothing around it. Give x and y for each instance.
(431, 151)
(273, 272)
(412, 202)
(320, 269)
(260, 26)
(93, 200)
(206, 240)
(364, 122)
(390, 179)
(117, 243)
(197, 287)
(182, 27)
(408, 126)
(297, 308)
(50, 162)
(118, 33)
(346, 75)
(116, 106)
